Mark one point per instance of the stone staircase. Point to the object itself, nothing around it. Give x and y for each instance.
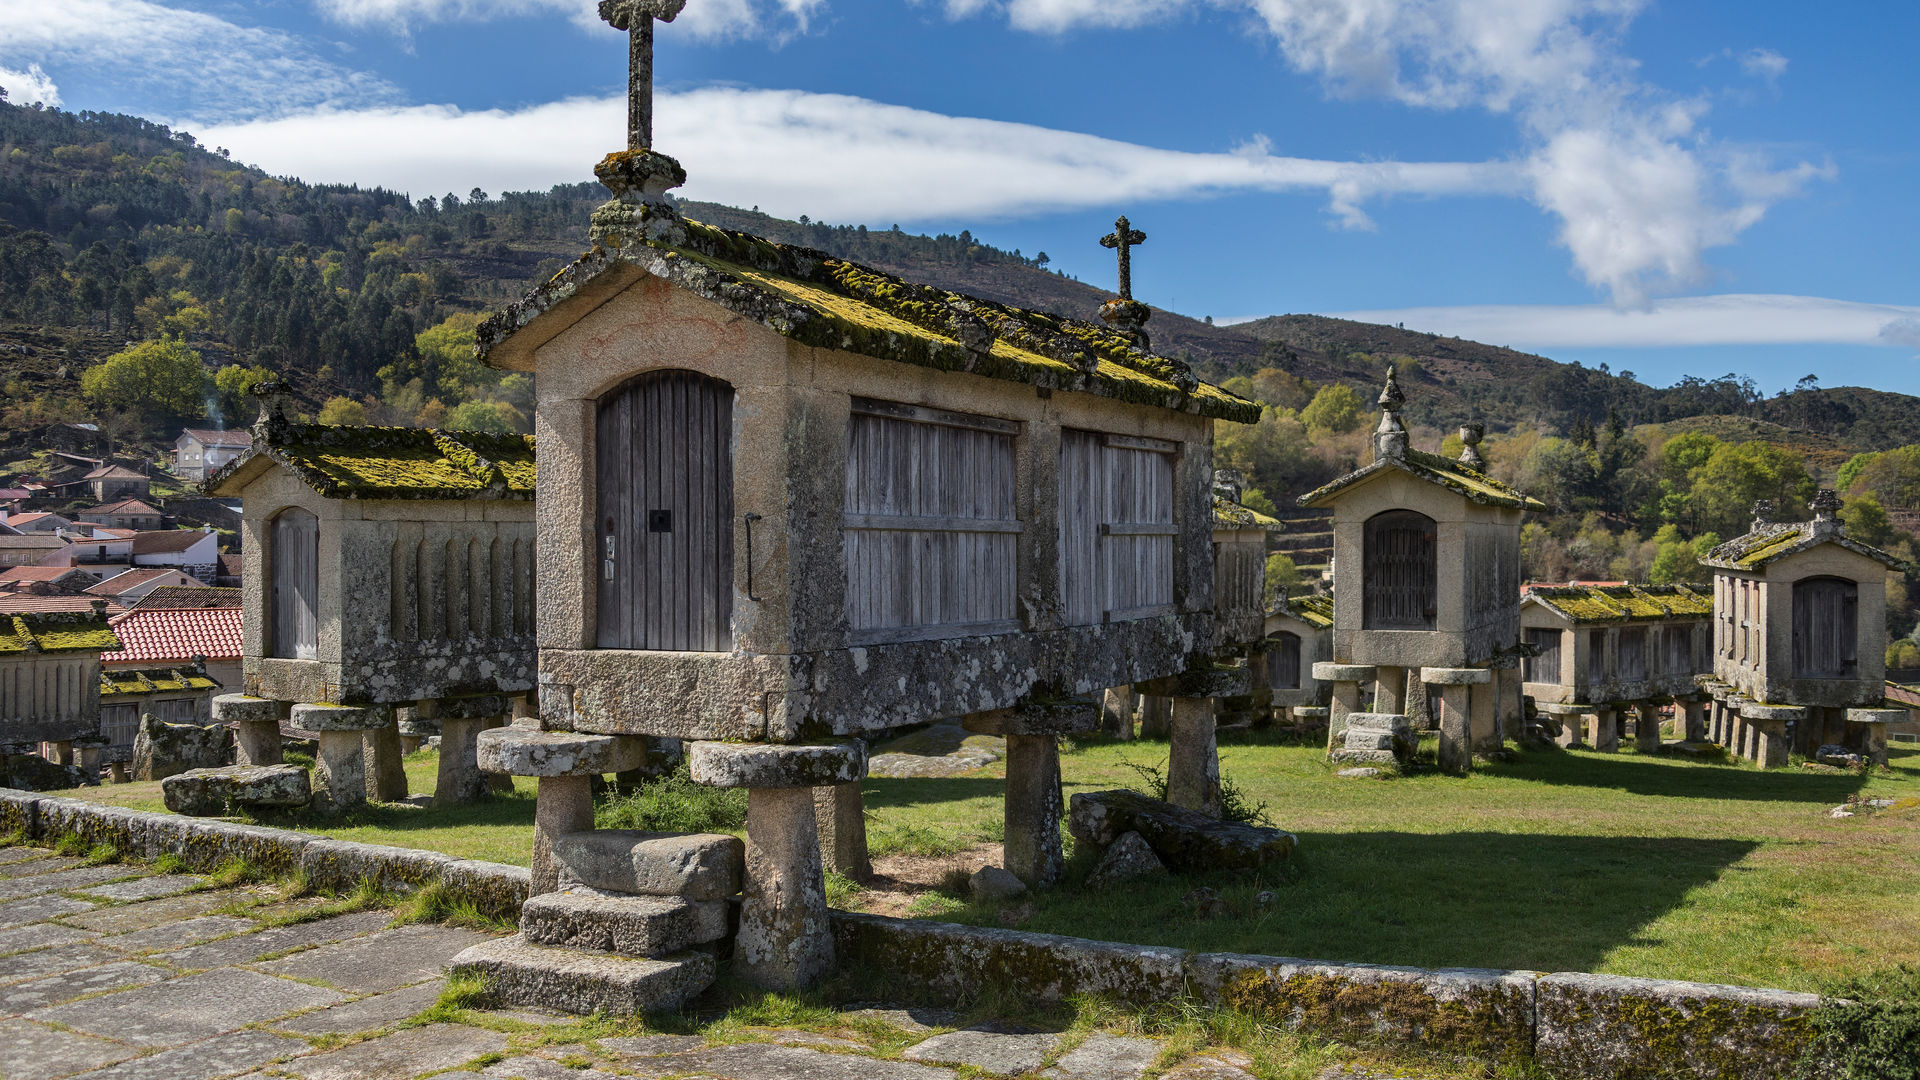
(633, 928)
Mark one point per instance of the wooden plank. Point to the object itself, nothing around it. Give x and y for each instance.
(1137, 528)
(905, 523)
(296, 584)
(1140, 442)
(891, 635)
(924, 414)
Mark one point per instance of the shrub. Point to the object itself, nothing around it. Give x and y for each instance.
(1235, 805)
(1868, 1029)
(674, 803)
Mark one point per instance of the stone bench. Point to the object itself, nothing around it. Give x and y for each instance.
(214, 792)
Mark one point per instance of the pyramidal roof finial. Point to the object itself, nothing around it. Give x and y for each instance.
(1390, 438)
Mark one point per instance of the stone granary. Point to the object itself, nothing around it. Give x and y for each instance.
(387, 567)
(1799, 639)
(1613, 651)
(789, 502)
(1240, 589)
(1299, 635)
(180, 694)
(50, 689)
(1426, 588)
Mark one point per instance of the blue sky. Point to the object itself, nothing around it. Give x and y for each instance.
(1668, 188)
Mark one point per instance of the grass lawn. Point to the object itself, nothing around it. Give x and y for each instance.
(1619, 863)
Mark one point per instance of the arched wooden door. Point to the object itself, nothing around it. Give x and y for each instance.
(1283, 661)
(1398, 573)
(295, 564)
(664, 479)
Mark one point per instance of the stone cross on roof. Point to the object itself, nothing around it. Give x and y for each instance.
(636, 18)
(1124, 238)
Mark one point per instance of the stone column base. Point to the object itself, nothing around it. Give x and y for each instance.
(1193, 758)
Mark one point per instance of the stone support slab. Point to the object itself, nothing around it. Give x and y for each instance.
(1345, 702)
(1646, 728)
(563, 805)
(1066, 716)
(340, 770)
(1606, 730)
(1156, 716)
(1455, 750)
(1032, 835)
(386, 773)
(785, 941)
(354, 718)
(1116, 709)
(1693, 722)
(840, 816)
(1390, 690)
(1770, 743)
(1193, 759)
(1483, 717)
(768, 765)
(520, 751)
(460, 779)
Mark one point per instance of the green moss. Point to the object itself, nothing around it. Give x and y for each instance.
(1713, 1038)
(1493, 1023)
(419, 463)
(1625, 603)
(56, 631)
(1231, 514)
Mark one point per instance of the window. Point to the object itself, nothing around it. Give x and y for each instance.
(1116, 527)
(1398, 572)
(1545, 667)
(931, 533)
(1825, 628)
(1283, 661)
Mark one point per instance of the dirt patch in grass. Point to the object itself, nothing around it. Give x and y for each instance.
(899, 880)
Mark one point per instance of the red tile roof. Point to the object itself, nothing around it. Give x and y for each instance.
(124, 506)
(36, 573)
(113, 472)
(155, 634)
(166, 540)
(118, 584)
(17, 603)
(21, 521)
(43, 541)
(210, 437)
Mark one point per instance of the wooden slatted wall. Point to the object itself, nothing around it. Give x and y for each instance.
(1633, 654)
(1545, 667)
(664, 482)
(1825, 628)
(931, 532)
(1116, 527)
(296, 585)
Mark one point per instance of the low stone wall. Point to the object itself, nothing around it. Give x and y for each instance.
(496, 889)
(1575, 1024)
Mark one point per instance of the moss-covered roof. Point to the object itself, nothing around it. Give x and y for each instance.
(56, 631)
(1623, 603)
(1455, 476)
(134, 682)
(1228, 514)
(1315, 610)
(1770, 543)
(818, 300)
(391, 463)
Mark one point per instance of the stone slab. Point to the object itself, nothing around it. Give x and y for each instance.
(1104, 1056)
(695, 866)
(322, 718)
(401, 1055)
(129, 917)
(1449, 676)
(40, 993)
(38, 936)
(386, 960)
(522, 973)
(246, 947)
(771, 765)
(11, 855)
(188, 1008)
(1075, 716)
(1185, 840)
(214, 792)
(1326, 672)
(30, 1050)
(36, 908)
(41, 863)
(173, 935)
(366, 1014)
(579, 917)
(1615, 1025)
(342, 864)
(221, 1055)
(643, 1046)
(1755, 711)
(78, 877)
(952, 959)
(528, 1067)
(912, 1019)
(148, 888)
(245, 709)
(52, 961)
(769, 1061)
(1879, 716)
(999, 1052)
(525, 752)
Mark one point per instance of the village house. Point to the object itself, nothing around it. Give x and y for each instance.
(388, 567)
(34, 549)
(200, 452)
(99, 550)
(1426, 592)
(113, 483)
(789, 502)
(1799, 640)
(36, 522)
(128, 513)
(45, 579)
(196, 551)
(180, 625)
(1604, 653)
(130, 585)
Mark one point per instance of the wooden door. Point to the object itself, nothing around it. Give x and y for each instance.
(1825, 628)
(1116, 527)
(296, 585)
(1283, 661)
(1544, 665)
(664, 483)
(1399, 578)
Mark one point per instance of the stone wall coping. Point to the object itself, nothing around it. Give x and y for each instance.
(1326, 672)
(314, 717)
(1455, 676)
(1879, 716)
(1566, 708)
(1382, 720)
(1313, 712)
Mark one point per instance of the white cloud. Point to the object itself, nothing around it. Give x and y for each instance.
(1727, 319)
(29, 86)
(178, 61)
(1640, 192)
(705, 19)
(843, 159)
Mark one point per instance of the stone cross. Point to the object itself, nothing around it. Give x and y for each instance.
(1124, 238)
(636, 18)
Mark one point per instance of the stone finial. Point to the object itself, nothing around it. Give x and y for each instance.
(1123, 239)
(638, 177)
(99, 608)
(1826, 511)
(1470, 435)
(1125, 314)
(1229, 484)
(1762, 514)
(636, 17)
(1390, 438)
(271, 392)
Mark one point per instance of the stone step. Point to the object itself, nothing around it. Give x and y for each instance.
(694, 866)
(521, 973)
(578, 917)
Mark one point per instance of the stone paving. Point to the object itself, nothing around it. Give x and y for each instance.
(118, 973)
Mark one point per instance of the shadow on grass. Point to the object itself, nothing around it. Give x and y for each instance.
(1470, 899)
(496, 810)
(1678, 779)
(885, 791)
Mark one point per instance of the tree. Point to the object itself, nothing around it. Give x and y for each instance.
(343, 411)
(155, 380)
(1866, 520)
(1336, 408)
(494, 416)
(1739, 475)
(1282, 576)
(232, 391)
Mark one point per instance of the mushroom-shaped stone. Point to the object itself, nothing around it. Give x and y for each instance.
(323, 718)
(1878, 716)
(1753, 710)
(1448, 676)
(474, 707)
(246, 709)
(1326, 672)
(522, 752)
(767, 765)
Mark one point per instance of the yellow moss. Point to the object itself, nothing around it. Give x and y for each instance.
(63, 631)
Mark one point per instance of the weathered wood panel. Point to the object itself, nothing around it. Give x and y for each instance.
(1599, 666)
(930, 529)
(296, 585)
(1676, 650)
(1399, 572)
(664, 479)
(1825, 628)
(1545, 666)
(1116, 527)
(1632, 659)
(1283, 660)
